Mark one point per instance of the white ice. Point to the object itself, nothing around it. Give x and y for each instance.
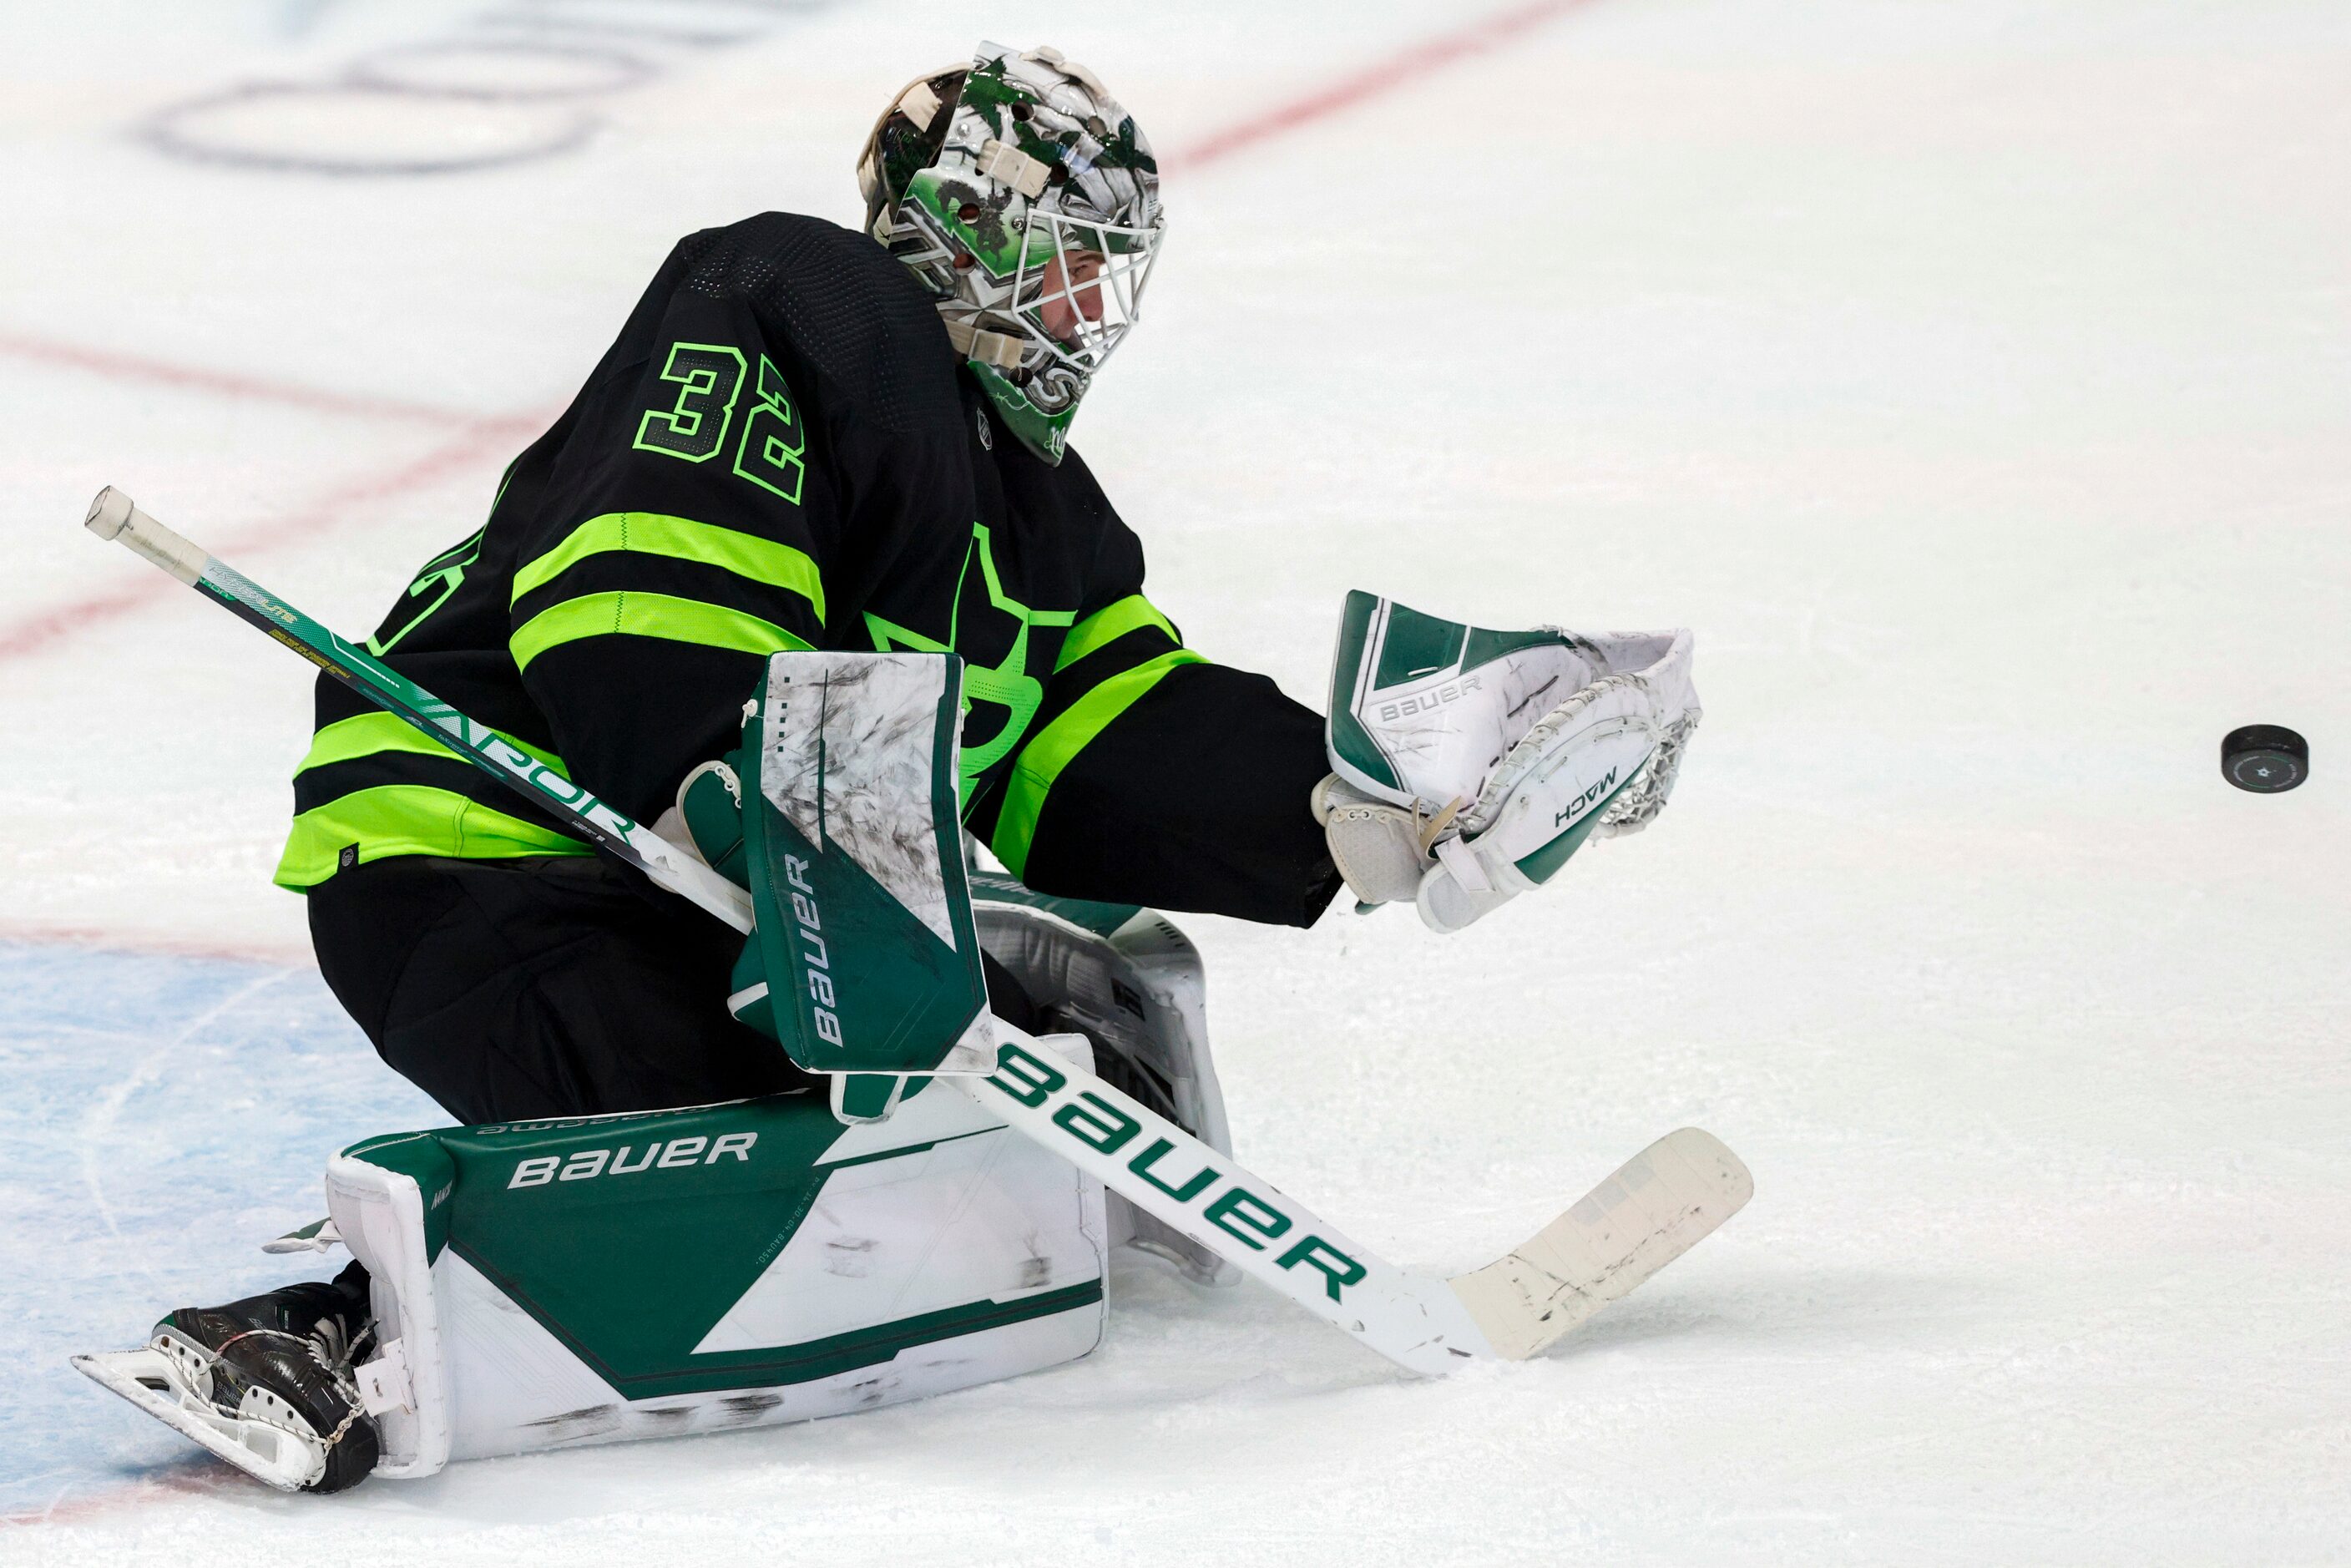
(1973, 375)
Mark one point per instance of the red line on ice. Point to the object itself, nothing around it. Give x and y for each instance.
(190, 1477)
(104, 941)
(222, 383)
(1422, 58)
(44, 629)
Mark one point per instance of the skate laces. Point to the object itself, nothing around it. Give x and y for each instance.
(334, 1348)
(330, 1346)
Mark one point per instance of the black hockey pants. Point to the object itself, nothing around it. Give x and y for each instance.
(514, 989)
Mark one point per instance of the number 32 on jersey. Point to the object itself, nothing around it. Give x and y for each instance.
(771, 449)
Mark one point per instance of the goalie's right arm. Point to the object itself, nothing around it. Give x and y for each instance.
(1469, 765)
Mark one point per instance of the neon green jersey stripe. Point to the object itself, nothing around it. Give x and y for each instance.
(647, 615)
(409, 819)
(680, 539)
(370, 733)
(1108, 624)
(1055, 745)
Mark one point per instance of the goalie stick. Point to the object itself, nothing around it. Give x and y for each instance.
(1651, 1210)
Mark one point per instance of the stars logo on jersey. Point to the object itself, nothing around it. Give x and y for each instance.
(988, 619)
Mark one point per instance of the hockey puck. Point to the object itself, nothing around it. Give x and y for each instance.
(2264, 759)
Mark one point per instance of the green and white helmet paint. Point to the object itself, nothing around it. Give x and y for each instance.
(1024, 197)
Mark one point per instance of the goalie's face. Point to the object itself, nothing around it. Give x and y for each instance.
(1079, 287)
(1073, 295)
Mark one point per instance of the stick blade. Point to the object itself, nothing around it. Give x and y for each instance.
(1655, 1207)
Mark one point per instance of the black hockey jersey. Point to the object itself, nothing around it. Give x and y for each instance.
(781, 451)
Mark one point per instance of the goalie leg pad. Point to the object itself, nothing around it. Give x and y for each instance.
(594, 1280)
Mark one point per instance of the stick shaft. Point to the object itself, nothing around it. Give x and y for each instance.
(1417, 1322)
(113, 515)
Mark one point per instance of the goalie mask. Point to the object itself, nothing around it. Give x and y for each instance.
(1024, 199)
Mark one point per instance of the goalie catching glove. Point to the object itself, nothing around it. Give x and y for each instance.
(1469, 764)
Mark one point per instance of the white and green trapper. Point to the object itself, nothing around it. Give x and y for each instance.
(1470, 764)
(1025, 198)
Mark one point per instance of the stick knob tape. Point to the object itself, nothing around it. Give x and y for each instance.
(114, 516)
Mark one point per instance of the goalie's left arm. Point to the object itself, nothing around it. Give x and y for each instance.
(1156, 777)
(1459, 765)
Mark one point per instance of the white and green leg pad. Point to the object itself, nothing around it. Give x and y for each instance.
(549, 1284)
(1467, 764)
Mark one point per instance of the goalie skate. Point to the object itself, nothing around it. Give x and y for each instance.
(265, 1384)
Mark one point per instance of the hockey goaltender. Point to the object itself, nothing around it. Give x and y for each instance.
(809, 578)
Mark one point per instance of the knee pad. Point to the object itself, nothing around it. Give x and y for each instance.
(1132, 984)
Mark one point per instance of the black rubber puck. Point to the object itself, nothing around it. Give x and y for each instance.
(2264, 759)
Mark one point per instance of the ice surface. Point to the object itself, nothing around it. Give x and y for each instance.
(1973, 375)
(164, 1116)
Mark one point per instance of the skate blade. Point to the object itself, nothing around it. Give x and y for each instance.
(148, 1379)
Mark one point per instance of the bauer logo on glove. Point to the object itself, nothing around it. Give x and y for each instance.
(1469, 764)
